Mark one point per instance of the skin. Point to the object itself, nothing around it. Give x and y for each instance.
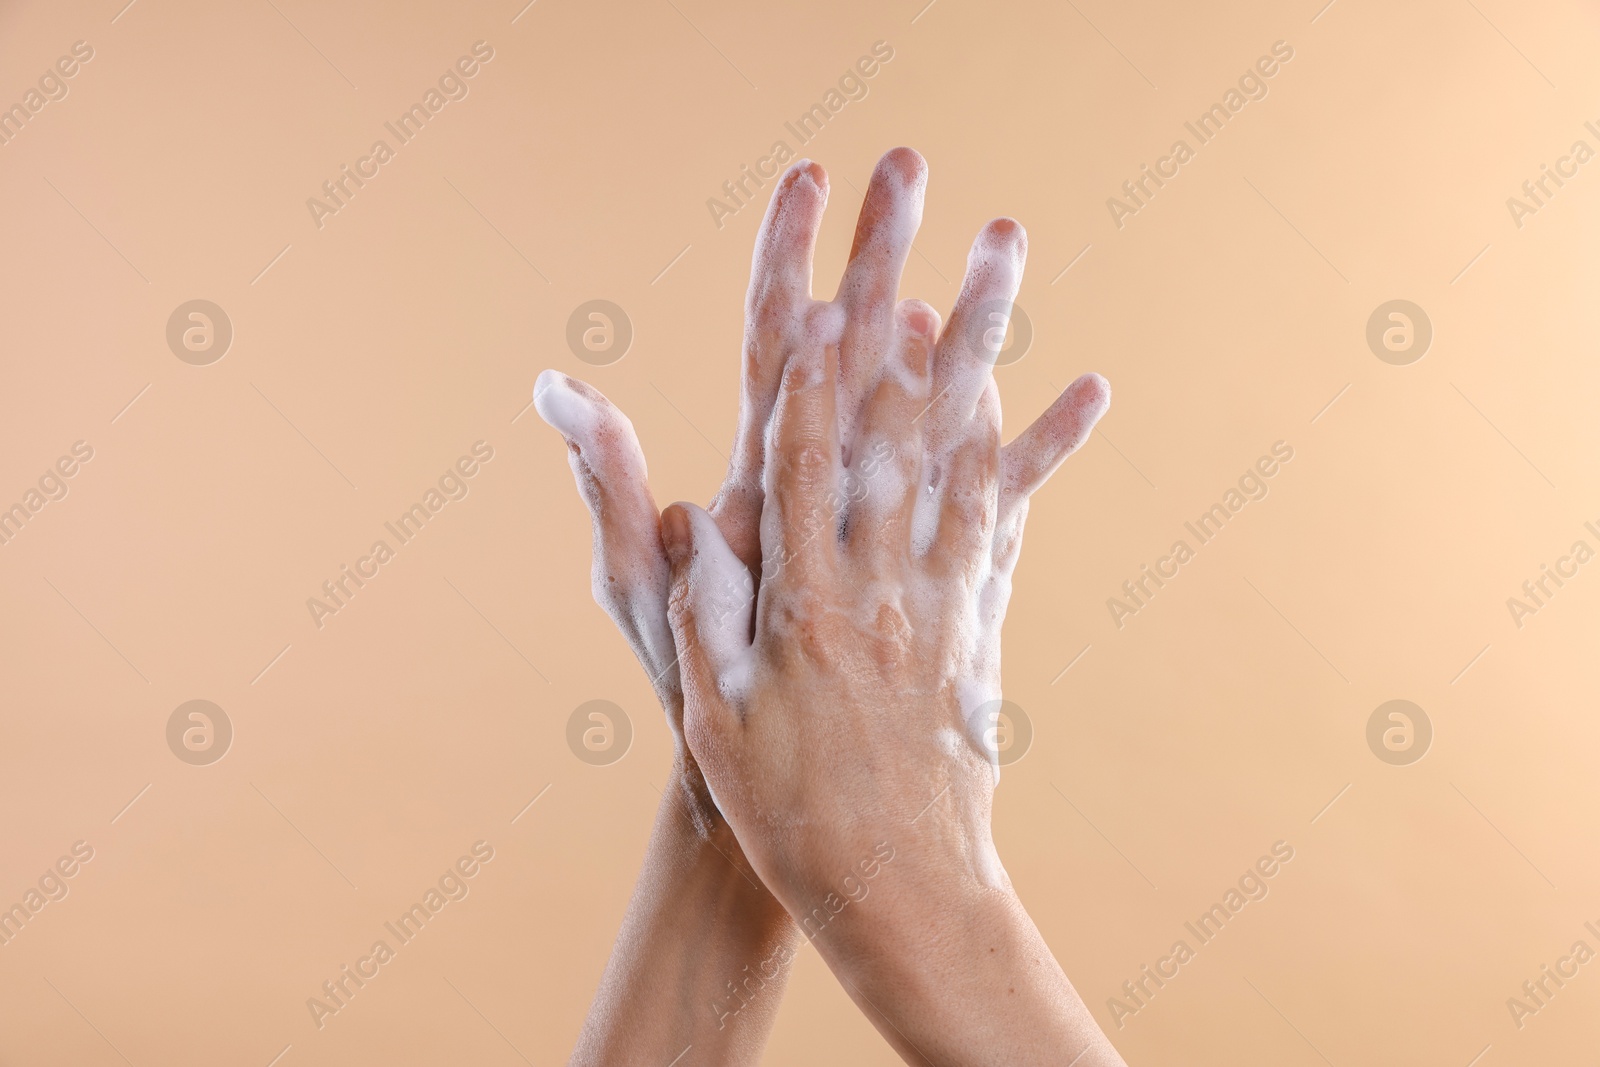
(700, 921)
(832, 638)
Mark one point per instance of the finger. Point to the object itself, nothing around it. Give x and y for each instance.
(780, 269)
(800, 513)
(964, 362)
(709, 608)
(885, 468)
(890, 215)
(779, 298)
(1028, 461)
(968, 499)
(629, 574)
(711, 596)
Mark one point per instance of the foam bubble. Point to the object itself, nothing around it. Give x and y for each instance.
(559, 403)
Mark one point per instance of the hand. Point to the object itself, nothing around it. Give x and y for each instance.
(700, 919)
(630, 571)
(839, 718)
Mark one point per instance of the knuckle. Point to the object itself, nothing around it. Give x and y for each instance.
(970, 506)
(770, 315)
(825, 635)
(808, 461)
(808, 632)
(680, 607)
(891, 639)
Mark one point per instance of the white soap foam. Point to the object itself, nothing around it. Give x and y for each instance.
(720, 587)
(629, 573)
(560, 404)
(925, 511)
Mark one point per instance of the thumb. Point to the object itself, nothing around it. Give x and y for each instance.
(710, 604)
(1034, 455)
(629, 576)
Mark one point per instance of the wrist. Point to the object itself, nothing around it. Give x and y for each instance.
(888, 877)
(919, 913)
(703, 953)
(947, 964)
(708, 856)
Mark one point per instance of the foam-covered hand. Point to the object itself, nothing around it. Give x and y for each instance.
(630, 573)
(699, 919)
(841, 715)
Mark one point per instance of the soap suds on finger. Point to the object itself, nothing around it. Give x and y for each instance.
(629, 574)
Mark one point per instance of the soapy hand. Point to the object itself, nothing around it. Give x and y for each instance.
(699, 916)
(866, 689)
(833, 643)
(845, 709)
(630, 571)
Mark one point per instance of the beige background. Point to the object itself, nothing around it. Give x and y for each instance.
(370, 754)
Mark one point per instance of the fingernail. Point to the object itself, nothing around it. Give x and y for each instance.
(811, 169)
(1004, 226)
(1003, 245)
(906, 164)
(675, 534)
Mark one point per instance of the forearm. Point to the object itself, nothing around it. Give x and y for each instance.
(959, 974)
(703, 954)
